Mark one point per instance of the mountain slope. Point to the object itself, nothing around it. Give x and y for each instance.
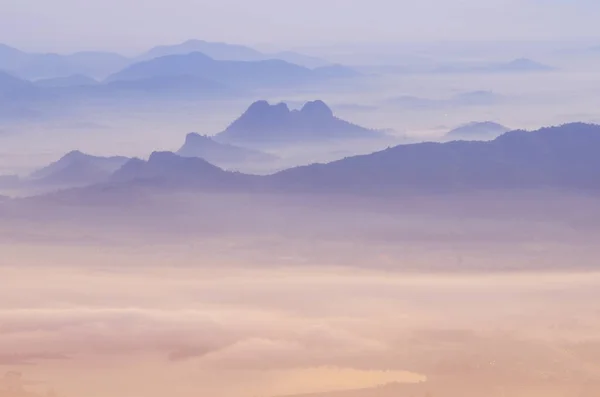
(168, 169)
(76, 168)
(258, 74)
(558, 157)
(217, 51)
(485, 130)
(221, 154)
(229, 52)
(564, 158)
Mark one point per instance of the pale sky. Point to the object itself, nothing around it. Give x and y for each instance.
(133, 25)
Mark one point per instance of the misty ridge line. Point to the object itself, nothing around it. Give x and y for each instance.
(562, 157)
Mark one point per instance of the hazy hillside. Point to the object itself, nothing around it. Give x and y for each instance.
(562, 157)
(34, 66)
(221, 154)
(76, 168)
(263, 73)
(230, 52)
(476, 131)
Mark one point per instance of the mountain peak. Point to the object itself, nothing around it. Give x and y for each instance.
(317, 109)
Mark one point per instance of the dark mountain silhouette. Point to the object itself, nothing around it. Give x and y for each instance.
(263, 123)
(233, 73)
(558, 157)
(76, 80)
(229, 52)
(77, 168)
(485, 130)
(220, 154)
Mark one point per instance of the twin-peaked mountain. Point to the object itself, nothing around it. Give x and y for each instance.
(266, 124)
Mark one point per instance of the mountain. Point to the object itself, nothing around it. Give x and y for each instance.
(485, 130)
(221, 154)
(11, 58)
(476, 98)
(564, 157)
(217, 51)
(77, 168)
(232, 73)
(168, 169)
(264, 123)
(230, 52)
(76, 80)
(36, 66)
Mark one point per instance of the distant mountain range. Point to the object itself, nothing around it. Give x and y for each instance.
(221, 154)
(266, 124)
(98, 65)
(230, 52)
(34, 66)
(186, 75)
(231, 73)
(486, 130)
(563, 157)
